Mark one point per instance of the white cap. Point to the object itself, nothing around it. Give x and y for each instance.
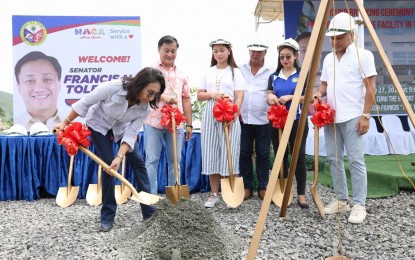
(17, 130)
(39, 128)
(340, 24)
(257, 46)
(289, 43)
(220, 41)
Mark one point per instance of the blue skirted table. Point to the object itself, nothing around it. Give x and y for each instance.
(29, 163)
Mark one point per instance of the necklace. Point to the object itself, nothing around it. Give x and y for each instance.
(219, 78)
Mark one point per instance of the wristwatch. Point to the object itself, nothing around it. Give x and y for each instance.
(367, 116)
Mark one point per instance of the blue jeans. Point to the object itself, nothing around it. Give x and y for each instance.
(258, 135)
(153, 143)
(104, 147)
(301, 168)
(347, 138)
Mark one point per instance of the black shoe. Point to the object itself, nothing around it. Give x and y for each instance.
(303, 205)
(106, 227)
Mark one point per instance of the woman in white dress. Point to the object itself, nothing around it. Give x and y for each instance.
(223, 79)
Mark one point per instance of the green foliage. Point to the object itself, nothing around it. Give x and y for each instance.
(197, 106)
(6, 108)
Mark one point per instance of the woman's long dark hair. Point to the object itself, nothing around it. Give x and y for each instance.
(296, 64)
(231, 59)
(135, 85)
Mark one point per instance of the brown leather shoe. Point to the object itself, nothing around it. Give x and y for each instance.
(261, 194)
(248, 194)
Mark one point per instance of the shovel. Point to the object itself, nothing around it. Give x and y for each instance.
(94, 193)
(142, 197)
(314, 194)
(233, 190)
(278, 194)
(175, 192)
(67, 195)
(122, 193)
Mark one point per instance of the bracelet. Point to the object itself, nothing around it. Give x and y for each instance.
(189, 126)
(121, 156)
(67, 120)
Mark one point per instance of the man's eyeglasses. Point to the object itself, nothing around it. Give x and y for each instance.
(287, 57)
(151, 93)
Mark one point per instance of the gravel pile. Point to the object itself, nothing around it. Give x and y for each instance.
(43, 230)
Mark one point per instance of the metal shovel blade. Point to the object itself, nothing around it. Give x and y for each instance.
(233, 196)
(314, 194)
(142, 197)
(278, 194)
(233, 190)
(279, 189)
(94, 193)
(67, 195)
(175, 192)
(122, 193)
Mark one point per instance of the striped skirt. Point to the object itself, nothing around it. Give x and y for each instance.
(213, 143)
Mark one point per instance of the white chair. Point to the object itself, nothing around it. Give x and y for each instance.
(309, 146)
(411, 128)
(401, 141)
(374, 142)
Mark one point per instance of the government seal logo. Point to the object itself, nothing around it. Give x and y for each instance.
(33, 33)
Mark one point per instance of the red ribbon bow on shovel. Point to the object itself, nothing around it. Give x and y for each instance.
(75, 134)
(167, 111)
(277, 114)
(323, 114)
(224, 110)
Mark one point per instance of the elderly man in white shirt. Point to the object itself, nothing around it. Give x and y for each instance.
(254, 120)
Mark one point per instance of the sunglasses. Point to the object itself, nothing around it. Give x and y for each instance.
(151, 94)
(287, 57)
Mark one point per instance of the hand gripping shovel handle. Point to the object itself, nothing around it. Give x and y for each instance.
(146, 198)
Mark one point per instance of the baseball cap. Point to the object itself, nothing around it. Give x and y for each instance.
(340, 24)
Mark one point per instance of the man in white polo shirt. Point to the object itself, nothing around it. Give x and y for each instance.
(254, 120)
(348, 80)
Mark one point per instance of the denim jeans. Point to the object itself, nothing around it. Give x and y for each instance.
(258, 135)
(347, 138)
(104, 147)
(301, 168)
(153, 143)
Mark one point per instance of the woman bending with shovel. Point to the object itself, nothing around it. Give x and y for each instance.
(115, 111)
(222, 80)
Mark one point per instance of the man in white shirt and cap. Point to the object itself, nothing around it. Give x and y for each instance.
(254, 120)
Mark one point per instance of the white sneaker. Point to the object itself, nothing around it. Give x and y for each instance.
(212, 201)
(358, 214)
(337, 206)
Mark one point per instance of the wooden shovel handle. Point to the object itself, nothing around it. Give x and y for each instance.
(316, 149)
(123, 173)
(71, 160)
(282, 165)
(107, 167)
(176, 167)
(228, 149)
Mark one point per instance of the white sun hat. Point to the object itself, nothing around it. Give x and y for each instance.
(17, 130)
(340, 24)
(39, 128)
(289, 43)
(220, 41)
